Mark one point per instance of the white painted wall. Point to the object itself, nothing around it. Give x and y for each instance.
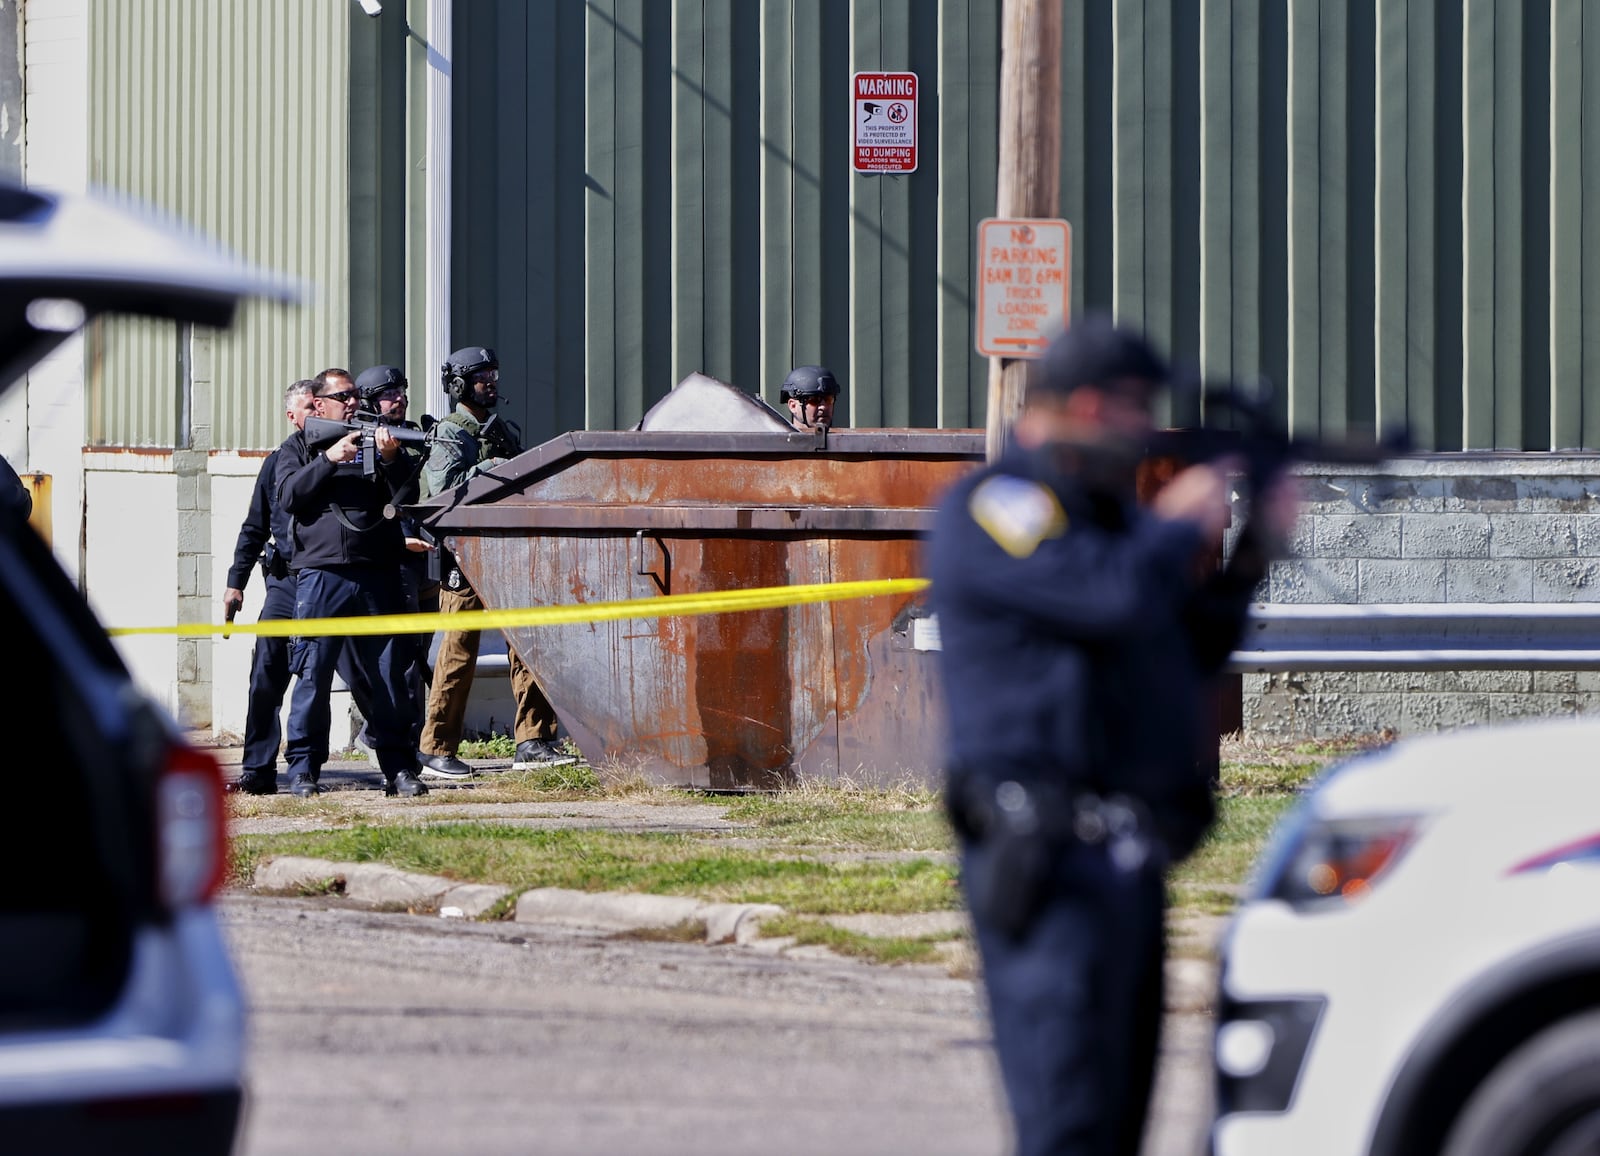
(131, 560)
(42, 428)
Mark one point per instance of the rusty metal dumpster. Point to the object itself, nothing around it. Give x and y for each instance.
(737, 700)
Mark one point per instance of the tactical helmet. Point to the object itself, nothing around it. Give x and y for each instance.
(459, 367)
(808, 381)
(377, 379)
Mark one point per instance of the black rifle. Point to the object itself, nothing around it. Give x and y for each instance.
(1266, 450)
(322, 432)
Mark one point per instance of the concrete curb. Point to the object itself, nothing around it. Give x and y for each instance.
(377, 884)
(383, 886)
(1191, 983)
(628, 911)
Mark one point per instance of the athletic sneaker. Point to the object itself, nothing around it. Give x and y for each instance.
(442, 767)
(538, 754)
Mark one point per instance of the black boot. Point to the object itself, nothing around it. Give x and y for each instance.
(406, 784)
(254, 783)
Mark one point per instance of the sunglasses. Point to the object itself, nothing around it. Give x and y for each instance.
(342, 396)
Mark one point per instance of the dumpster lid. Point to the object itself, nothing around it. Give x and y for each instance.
(701, 403)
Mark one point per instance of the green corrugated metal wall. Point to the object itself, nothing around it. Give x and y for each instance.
(232, 116)
(1359, 199)
(1382, 204)
(644, 188)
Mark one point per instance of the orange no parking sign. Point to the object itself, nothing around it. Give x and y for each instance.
(1024, 277)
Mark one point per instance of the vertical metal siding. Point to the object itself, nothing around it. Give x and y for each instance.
(231, 117)
(1383, 204)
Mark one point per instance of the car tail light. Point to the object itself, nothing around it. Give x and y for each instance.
(191, 828)
(1334, 862)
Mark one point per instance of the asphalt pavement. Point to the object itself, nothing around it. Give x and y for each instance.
(613, 924)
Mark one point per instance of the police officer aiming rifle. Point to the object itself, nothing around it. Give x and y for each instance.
(1080, 636)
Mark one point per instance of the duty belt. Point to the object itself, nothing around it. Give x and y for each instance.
(982, 807)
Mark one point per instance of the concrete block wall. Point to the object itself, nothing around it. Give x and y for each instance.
(1457, 528)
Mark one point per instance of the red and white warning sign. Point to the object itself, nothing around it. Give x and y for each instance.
(1024, 273)
(885, 133)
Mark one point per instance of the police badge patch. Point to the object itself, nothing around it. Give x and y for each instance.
(1016, 513)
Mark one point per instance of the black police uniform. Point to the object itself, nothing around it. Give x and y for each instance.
(1079, 639)
(420, 571)
(347, 559)
(264, 538)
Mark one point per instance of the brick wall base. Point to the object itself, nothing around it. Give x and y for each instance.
(1459, 528)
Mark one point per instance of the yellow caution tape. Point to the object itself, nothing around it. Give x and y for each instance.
(669, 605)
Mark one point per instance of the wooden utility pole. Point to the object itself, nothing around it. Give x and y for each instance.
(1030, 160)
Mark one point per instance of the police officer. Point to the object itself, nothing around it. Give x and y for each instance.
(382, 393)
(810, 392)
(1080, 633)
(264, 539)
(468, 441)
(348, 549)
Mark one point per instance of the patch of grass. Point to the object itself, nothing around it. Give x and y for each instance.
(575, 778)
(843, 815)
(1224, 859)
(587, 860)
(501, 909)
(813, 932)
(1334, 748)
(493, 747)
(1202, 900)
(686, 931)
(1267, 778)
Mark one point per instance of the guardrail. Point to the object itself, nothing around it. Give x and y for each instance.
(1420, 636)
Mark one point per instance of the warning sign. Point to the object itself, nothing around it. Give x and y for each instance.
(885, 132)
(1024, 273)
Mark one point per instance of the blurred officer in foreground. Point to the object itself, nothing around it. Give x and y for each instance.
(810, 392)
(1080, 633)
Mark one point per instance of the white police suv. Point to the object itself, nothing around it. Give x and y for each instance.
(121, 1023)
(1416, 969)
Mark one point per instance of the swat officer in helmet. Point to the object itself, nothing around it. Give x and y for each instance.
(1080, 635)
(382, 397)
(809, 392)
(382, 391)
(471, 440)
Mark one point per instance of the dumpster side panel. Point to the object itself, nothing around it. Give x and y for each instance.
(754, 673)
(889, 724)
(618, 687)
(752, 699)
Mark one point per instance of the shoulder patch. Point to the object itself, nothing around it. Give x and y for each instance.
(1016, 513)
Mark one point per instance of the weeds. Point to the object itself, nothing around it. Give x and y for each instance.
(893, 950)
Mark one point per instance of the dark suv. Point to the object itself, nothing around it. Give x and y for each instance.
(121, 1023)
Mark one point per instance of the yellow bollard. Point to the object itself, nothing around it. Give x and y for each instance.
(39, 486)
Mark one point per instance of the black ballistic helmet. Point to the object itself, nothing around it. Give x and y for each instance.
(1095, 351)
(376, 379)
(808, 381)
(461, 365)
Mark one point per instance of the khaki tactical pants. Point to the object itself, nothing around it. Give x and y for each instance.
(453, 670)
